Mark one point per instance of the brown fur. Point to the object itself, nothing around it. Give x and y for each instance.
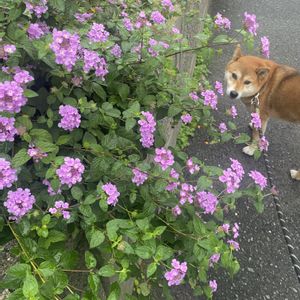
(278, 86)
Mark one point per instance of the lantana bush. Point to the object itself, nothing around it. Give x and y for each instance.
(87, 185)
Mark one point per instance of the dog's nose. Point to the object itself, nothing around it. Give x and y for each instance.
(233, 94)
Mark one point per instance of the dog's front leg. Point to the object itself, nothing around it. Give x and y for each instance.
(249, 150)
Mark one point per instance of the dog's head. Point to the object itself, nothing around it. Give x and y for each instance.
(245, 75)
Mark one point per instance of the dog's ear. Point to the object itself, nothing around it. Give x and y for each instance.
(237, 53)
(262, 72)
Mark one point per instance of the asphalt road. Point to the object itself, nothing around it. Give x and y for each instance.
(266, 271)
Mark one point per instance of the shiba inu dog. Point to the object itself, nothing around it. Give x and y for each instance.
(264, 84)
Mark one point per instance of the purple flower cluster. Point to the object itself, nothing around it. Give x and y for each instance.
(233, 111)
(157, 17)
(214, 259)
(222, 127)
(98, 33)
(213, 285)
(70, 117)
(70, 172)
(250, 23)
(50, 189)
(186, 118)
(219, 87)
(207, 201)
(37, 9)
(167, 4)
(139, 176)
(22, 76)
(173, 185)
(265, 46)
(222, 22)
(6, 50)
(234, 245)
(263, 144)
(92, 60)
(259, 179)
(176, 211)
(8, 175)
(177, 273)
(147, 128)
(210, 98)
(116, 51)
(36, 153)
(142, 20)
(192, 168)
(194, 96)
(65, 47)
(7, 129)
(127, 24)
(255, 121)
(83, 17)
(186, 193)
(233, 176)
(37, 30)
(235, 230)
(112, 193)
(11, 97)
(164, 158)
(60, 209)
(19, 202)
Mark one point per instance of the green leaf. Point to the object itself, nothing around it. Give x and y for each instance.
(90, 199)
(163, 253)
(58, 4)
(76, 192)
(204, 183)
(115, 292)
(14, 13)
(47, 268)
(98, 89)
(242, 138)
(53, 237)
(46, 146)
(30, 286)
(143, 224)
(20, 158)
(93, 281)
(90, 260)
(123, 90)
(107, 271)
(63, 139)
(159, 230)
(19, 270)
(174, 110)
(151, 269)
(220, 39)
(30, 94)
(95, 238)
(41, 135)
(144, 252)
(130, 123)
(144, 289)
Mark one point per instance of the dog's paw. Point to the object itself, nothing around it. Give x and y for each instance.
(249, 150)
(295, 174)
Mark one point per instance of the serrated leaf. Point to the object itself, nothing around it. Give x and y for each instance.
(18, 270)
(204, 183)
(76, 192)
(30, 286)
(174, 110)
(144, 252)
(20, 158)
(107, 271)
(98, 89)
(95, 238)
(90, 260)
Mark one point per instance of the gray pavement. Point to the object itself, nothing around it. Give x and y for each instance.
(266, 271)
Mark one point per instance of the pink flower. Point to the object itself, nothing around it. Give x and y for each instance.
(250, 23)
(233, 111)
(98, 33)
(186, 193)
(255, 121)
(265, 46)
(207, 201)
(8, 175)
(112, 193)
(214, 259)
(210, 99)
(177, 273)
(164, 158)
(219, 87)
(234, 245)
(194, 96)
(222, 22)
(60, 209)
(173, 185)
(225, 227)
(192, 168)
(263, 144)
(186, 118)
(222, 127)
(213, 285)
(7, 129)
(157, 17)
(147, 129)
(235, 230)
(139, 176)
(259, 179)
(36, 153)
(71, 118)
(176, 211)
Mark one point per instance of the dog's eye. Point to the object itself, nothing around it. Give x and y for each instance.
(247, 82)
(234, 76)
